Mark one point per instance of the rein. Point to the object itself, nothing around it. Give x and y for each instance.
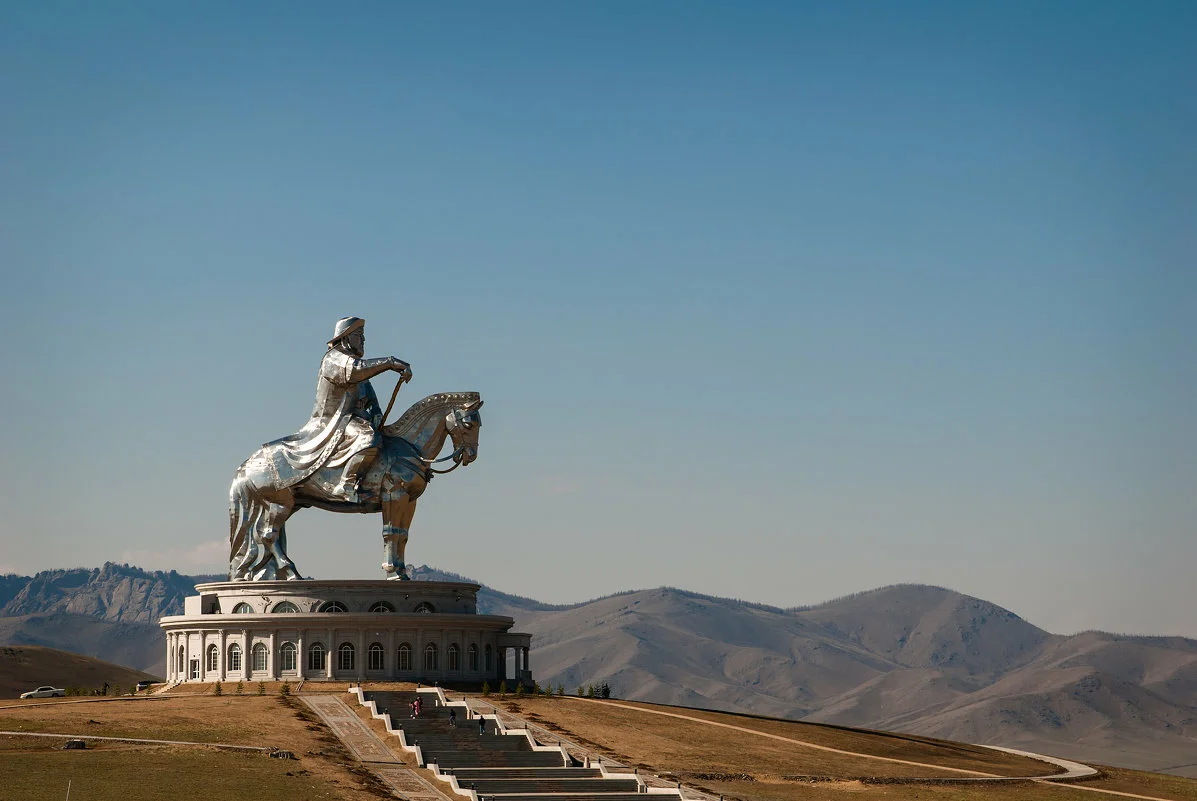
(394, 394)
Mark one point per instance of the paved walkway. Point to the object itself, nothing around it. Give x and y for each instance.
(372, 751)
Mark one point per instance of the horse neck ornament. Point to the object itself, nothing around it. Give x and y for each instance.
(261, 502)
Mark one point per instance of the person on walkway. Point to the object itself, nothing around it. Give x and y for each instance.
(453, 718)
(412, 707)
(481, 725)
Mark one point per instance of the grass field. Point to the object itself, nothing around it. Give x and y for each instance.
(36, 768)
(743, 766)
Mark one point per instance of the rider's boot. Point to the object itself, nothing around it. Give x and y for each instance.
(359, 463)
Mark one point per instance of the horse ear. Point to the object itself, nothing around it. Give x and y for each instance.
(474, 405)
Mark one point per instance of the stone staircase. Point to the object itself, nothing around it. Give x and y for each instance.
(497, 765)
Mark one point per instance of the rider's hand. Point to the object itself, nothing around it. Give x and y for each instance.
(399, 366)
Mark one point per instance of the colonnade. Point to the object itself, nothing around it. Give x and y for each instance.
(188, 655)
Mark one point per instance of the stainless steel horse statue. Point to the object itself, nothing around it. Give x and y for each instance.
(346, 460)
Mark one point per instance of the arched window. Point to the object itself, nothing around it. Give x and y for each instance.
(333, 606)
(285, 608)
(472, 658)
(454, 655)
(489, 659)
(213, 658)
(287, 657)
(180, 662)
(430, 657)
(259, 652)
(424, 609)
(234, 657)
(243, 609)
(381, 606)
(316, 656)
(404, 656)
(345, 656)
(375, 657)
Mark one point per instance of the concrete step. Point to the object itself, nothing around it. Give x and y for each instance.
(580, 797)
(515, 786)
(528, 773)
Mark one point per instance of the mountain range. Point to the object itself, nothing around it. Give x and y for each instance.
(912, 658)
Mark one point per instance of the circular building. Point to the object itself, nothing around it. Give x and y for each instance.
(350, 630)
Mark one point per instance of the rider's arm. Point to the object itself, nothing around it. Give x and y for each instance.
(344, 370)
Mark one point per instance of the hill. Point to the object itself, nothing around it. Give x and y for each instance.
(909, 658)
(110, 613)
(915, 659)
(26, 668)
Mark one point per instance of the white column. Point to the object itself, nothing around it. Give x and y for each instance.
(418, 656)
(300, 665)
(246, 656)
(329, 655)
(187, 655)
(222, 661)
(361, 655)
(390, 659)
(271, 661)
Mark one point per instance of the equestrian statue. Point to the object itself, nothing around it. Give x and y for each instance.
(347, 459)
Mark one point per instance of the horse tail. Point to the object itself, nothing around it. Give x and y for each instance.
(245, 549)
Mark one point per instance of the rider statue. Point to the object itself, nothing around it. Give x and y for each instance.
(343, 430)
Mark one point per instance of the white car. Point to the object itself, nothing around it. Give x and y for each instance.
(44, 692)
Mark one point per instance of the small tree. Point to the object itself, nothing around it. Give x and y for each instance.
(560, 690)
(503, 687)
(116, 690)
(581, 691)
(486, 688)
(590, 691)
(261, 687)
(604, 690)
(285, 689)
(519, 688)
(240, 687)
(217, 689)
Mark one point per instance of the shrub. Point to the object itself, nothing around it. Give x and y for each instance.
(240, 686)
(590, 691)
(486, 688)
(519, 688)
(560, 689)
(604, 690)
(285, 689)
(217, 689)
(503, 687)
(261, 687)
(581, 691)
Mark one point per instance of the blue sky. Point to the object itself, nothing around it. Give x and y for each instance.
(776, 301)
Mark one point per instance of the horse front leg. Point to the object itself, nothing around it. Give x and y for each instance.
(394, 535)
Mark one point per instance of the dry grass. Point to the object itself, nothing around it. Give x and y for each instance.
(126, 772)
(691, 750)
(755, 768)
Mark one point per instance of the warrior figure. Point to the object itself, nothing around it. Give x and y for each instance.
(343, 430)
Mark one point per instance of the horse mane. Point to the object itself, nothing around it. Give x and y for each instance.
(430, 405)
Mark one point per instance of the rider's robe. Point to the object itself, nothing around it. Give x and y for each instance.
(343, 423)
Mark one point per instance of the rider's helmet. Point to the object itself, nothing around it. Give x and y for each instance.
(346, 326)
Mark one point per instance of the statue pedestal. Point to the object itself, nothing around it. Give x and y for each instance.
(341, 630)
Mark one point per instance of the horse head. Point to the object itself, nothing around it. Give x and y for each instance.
(463, 425)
